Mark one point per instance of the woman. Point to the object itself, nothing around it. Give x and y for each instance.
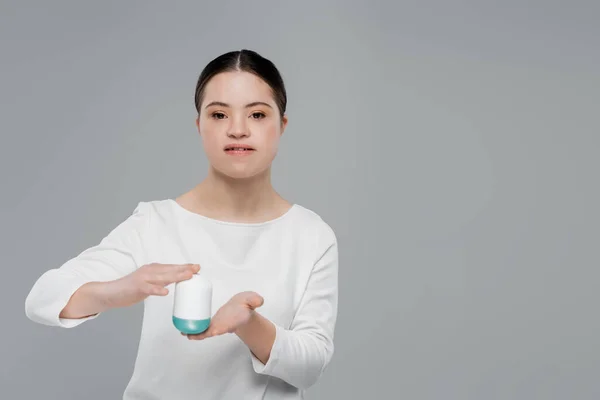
(273, 264)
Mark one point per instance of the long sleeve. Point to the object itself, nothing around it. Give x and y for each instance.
(118, 254)
(301, 353)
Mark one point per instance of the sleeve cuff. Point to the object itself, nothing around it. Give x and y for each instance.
(267, 369)
(72, 323)
(62, 302)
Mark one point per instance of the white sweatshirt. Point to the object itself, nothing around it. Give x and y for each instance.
(291, 261)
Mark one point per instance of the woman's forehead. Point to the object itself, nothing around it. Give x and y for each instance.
(237, 88)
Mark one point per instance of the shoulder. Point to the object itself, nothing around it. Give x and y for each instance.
(155, 209)
(144, 215)
(315, 225)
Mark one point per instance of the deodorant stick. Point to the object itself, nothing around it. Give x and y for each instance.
(192, 304)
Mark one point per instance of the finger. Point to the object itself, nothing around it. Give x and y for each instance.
(200, 336)
(156, 290)
(210, 332)
(181, 272)
(169, 266)
(196, 337)
(255, 300)
(187, 267)
(164, 268)
(172, 275)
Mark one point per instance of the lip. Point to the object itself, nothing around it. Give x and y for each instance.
(237, 145)
(238, 153)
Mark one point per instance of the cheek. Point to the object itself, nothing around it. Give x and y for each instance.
(271, 138)
(210, 138)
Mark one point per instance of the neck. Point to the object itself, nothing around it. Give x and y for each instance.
(222, 197)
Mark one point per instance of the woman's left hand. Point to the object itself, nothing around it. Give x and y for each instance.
(232, 315)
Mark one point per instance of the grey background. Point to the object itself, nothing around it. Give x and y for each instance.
(452, 147)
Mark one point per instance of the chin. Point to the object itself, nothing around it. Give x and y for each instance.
(239, 173)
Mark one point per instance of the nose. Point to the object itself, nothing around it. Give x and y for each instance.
(238, 129)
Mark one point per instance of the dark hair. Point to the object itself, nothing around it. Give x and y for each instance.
(247, 61)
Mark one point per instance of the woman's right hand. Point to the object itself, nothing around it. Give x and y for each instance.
(151, 279)
(148, 280)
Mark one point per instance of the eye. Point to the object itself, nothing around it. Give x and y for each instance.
(217, 115)
(258, 115)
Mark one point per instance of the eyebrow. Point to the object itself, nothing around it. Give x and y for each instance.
(253, 104)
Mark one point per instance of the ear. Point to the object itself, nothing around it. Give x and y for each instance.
(284, 122)
(198, 123)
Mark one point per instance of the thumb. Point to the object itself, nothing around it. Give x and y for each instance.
(255, 300)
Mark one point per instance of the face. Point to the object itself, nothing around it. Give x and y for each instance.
(240, 124)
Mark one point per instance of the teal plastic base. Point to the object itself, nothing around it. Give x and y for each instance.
(191, 326)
